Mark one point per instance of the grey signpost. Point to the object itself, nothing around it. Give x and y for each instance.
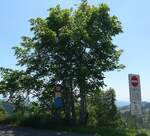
(135, 94)
(135, 97)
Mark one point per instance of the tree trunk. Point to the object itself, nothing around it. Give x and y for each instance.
(72, 104)
(69, 105)
(83, 107)
(66, 95)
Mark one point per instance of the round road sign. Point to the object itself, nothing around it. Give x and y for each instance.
(134, 81)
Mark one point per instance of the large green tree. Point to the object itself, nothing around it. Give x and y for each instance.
(73, 48)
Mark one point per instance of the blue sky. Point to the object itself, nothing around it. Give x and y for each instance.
(135, 41)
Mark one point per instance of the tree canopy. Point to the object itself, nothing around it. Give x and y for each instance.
(71, 47)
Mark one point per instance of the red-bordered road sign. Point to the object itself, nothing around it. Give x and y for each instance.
(134, 81)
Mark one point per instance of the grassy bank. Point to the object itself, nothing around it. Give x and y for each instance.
(45, 122)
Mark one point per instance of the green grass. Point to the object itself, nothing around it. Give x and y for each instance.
(43, 121)
(101, 131)
(145, 131)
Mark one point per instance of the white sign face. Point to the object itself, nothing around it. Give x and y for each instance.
(135, 94)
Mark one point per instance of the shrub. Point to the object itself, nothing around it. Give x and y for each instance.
(142, 134)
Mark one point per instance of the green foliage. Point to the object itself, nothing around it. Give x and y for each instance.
(104, 111)
(3, 116)
(73, 48)
(135, 122)
(44, 121)
(102, 131)
(142, 134)
(37, 121)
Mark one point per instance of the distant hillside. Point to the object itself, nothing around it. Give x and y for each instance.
(6, 106)
(145, 107)
(142, 121)
(122, 103)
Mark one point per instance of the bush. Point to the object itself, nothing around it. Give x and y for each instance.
(142, 134)
(41, 121)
